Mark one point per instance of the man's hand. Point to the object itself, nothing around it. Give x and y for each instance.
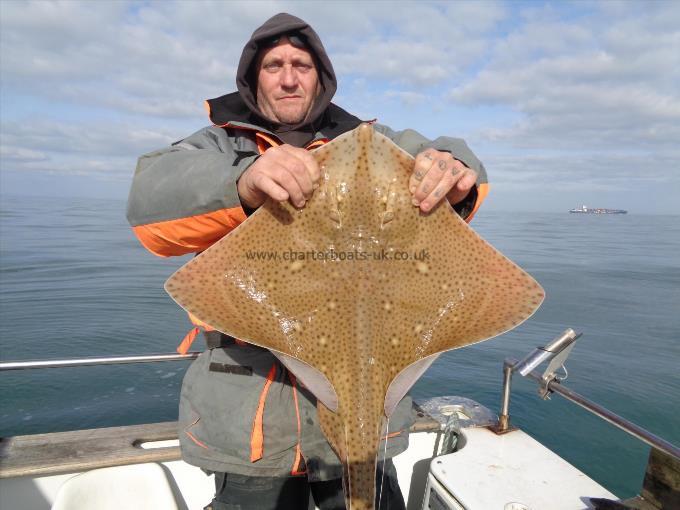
(283, 173)
(437, 175)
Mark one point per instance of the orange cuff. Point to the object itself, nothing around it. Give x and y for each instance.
(188, 235)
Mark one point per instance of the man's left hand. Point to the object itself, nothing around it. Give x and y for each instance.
(438, 175)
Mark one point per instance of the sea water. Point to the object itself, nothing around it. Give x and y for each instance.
(75, 282)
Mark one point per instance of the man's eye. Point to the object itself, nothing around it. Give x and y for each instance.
(303, 67)
(273, 67)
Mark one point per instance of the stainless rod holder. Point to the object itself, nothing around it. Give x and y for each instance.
(531, 361)
(547, 352)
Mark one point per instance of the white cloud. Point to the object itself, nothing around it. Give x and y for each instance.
(417, 44)
(157, 58)
(589, 170)
(82, 149)
(558, 182)
(408, 98)
(88, 86)
(151, 59)
(19, 155)
(603, 81)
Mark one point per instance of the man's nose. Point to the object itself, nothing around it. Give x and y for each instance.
(289, 77)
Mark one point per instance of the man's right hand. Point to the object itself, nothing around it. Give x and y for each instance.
(282, 173)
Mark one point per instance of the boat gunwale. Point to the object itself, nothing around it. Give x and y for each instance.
(74, 451)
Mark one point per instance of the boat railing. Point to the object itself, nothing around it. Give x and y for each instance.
(124, 445)
(97, 360)
(556, 353)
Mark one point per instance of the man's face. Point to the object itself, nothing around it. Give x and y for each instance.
(287, 83)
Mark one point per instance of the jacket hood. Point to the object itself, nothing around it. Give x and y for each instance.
(246, 78)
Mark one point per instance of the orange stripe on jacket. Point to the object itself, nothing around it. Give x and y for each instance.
(192, 437)
(295, 470)
(188, 235)
(199, 323)
(264, 142)
(185, 345)
(317, 143)
(257, 434)
(482, 192)
(392, 434)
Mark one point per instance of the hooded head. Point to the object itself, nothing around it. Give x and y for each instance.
(302, 37)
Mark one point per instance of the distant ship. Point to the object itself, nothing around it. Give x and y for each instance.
(589, 210)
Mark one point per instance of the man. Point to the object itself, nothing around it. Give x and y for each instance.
(242, 416)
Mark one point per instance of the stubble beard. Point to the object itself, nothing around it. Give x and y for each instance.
(292, 117)
(283, 115)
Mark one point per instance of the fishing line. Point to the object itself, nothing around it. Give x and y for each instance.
(345, 468)
(382, 471)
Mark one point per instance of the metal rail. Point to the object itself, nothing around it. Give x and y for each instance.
(613, 418)
(627, 426)
(84, 362)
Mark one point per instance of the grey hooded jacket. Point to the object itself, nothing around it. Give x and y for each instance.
(183, 199)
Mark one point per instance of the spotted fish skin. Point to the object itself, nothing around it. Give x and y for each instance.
(369, 287)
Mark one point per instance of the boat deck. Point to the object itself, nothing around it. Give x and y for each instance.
(484, 470)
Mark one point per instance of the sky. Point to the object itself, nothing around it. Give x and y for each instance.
(566, 103)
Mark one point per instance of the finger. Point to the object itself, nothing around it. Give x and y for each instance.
(309, 162)
(451, 177)
(421, 167)
(462, 187)
(265, 184)
(439, 172)
(468, 179)
(289, 182)
(437, 195)
(439, 192)
(291, 166)
(303, 175)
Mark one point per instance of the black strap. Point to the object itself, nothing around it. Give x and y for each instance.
(215, 339)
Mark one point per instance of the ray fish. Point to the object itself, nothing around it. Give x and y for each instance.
(357, 293)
